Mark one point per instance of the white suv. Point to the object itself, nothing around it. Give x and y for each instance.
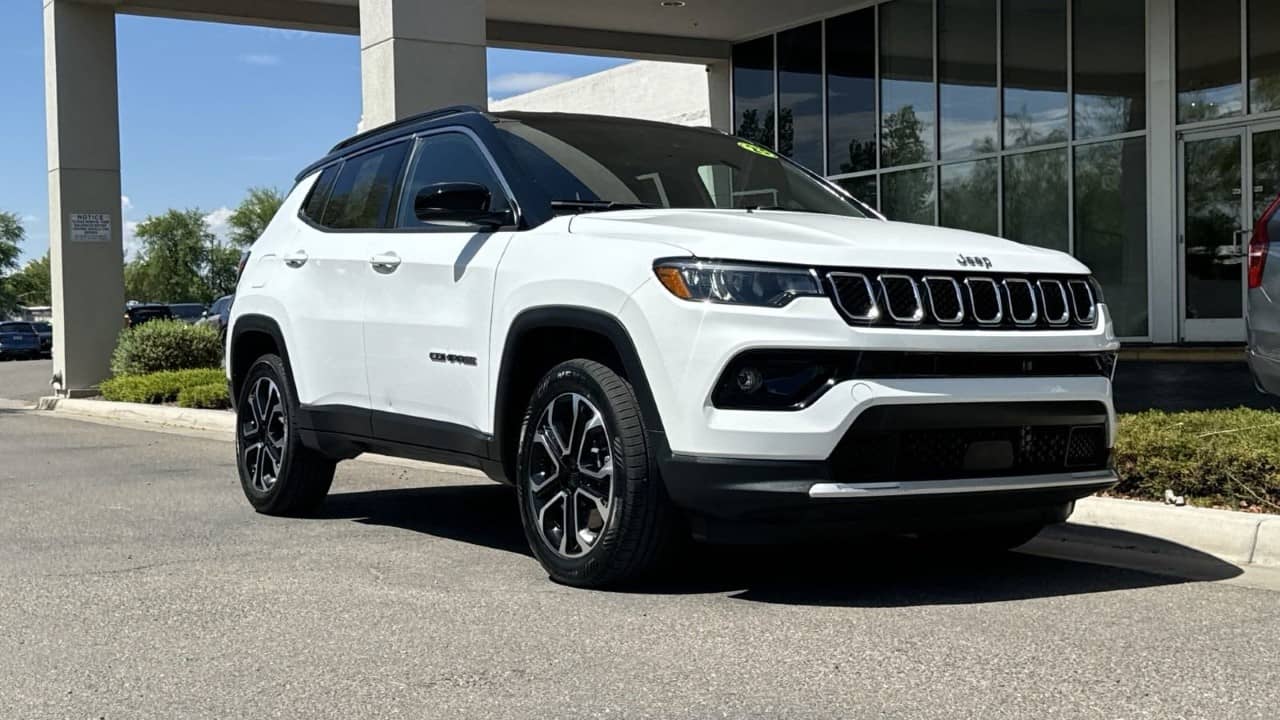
(654, 331)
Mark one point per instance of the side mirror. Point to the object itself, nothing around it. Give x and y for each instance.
(458, 202)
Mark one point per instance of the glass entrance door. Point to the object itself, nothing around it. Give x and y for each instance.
(1213, 220)
(1228, 177)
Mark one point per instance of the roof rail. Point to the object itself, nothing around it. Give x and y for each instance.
(402, 122)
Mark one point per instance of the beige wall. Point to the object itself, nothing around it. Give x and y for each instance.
(645, 89)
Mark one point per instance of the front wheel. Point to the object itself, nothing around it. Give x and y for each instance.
(279, 475)
(594, 511)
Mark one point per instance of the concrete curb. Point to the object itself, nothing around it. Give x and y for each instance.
(161, 415)
(1240, 538)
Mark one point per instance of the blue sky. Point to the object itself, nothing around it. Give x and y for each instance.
(208, 110)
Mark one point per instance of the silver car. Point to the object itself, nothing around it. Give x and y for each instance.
(1263, 319)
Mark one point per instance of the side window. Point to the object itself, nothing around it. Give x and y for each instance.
(449, 157)
(362, 193)
(313, 208)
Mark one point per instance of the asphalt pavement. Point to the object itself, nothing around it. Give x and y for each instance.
(25, 380)
(135, 582)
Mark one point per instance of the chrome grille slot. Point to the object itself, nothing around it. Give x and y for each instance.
(902, 298)
(984, 298)
(1022, 301)
(1082, 301)
(945, 301)
(1054, 299)
(855, 296)
(963, 299)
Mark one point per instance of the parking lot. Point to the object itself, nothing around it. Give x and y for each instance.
(136, 582)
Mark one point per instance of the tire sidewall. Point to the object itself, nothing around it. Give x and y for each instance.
(270, 366)
(627, 471)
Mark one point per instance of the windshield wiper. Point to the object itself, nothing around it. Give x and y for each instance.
(581, 206)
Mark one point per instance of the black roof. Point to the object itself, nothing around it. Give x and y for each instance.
(422, 121)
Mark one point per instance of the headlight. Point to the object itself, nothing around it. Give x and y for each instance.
(736, 284)
(1096, 287)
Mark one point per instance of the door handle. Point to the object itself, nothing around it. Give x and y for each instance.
(385, 262)
(295, 259)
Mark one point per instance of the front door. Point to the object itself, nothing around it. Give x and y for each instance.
(1228, 177)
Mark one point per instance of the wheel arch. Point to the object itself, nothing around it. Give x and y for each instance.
(603, 337)
(253, 336)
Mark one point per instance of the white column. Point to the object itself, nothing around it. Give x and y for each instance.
(719, 95)
(86, 255)
(1162, 178)
(419, 55)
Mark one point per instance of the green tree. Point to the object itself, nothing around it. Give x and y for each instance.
(224, 264)
(32, 284)
(11, 236)
(253, 214)
(174, 259)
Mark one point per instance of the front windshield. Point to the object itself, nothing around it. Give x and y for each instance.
(580, 161)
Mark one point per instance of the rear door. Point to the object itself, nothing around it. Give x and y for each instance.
(326, 267)
(428, 307)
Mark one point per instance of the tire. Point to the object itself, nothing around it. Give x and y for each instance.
(624, 520)
(279, 475)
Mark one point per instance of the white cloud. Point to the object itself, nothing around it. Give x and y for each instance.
(515, 83)
(260, 59)
(29, 219)
(125, 203)
(131, 243)
(217, 222)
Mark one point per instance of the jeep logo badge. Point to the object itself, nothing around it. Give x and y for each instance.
(973, 261)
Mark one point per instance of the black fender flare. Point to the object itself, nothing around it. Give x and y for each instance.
(255, 323)
(575, 318)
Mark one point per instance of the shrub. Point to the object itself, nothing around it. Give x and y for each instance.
(213, 396)
(159, 387)
(1213, 457)
(166, 345)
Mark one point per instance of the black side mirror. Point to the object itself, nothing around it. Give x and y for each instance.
(460, 202)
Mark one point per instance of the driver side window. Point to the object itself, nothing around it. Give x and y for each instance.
(449, 157)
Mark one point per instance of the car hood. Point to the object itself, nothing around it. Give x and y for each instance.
(824, 240)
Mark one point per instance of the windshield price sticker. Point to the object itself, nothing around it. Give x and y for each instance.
(752, 147)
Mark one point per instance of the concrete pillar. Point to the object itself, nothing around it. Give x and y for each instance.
(719, 95)
(86, 254)
(419, 55)
(1162, 179)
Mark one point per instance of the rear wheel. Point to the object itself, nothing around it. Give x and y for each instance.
(279, 475)
(594, 511)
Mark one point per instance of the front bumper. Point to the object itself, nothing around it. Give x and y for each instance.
(758, 500)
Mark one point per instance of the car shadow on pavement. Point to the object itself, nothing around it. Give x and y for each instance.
(479, 514)
(853, 572)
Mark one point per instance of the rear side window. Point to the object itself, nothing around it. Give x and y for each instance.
(313, 208)
(362, 193)
(449, 157)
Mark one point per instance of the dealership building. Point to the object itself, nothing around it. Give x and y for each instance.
(1143, 136)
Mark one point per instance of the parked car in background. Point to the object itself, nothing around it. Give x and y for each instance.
(218, 314)
(654, 330)
(189, 313)
(139, 314)
(18, 340)
(1263, 316)
(45, 331)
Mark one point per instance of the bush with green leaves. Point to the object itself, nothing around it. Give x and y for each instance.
(213, 396)
(166, 345)
(160, 387)
(1213, 457)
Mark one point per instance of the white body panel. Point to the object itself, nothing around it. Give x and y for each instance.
(437, 302)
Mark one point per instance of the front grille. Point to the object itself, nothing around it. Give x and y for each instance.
(992, 301)
(940, 442)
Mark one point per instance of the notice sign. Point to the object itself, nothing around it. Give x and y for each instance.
(90, 227)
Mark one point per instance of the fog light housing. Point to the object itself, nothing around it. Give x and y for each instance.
(773, 380)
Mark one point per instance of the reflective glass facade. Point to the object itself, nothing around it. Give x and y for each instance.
(1020, 118)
